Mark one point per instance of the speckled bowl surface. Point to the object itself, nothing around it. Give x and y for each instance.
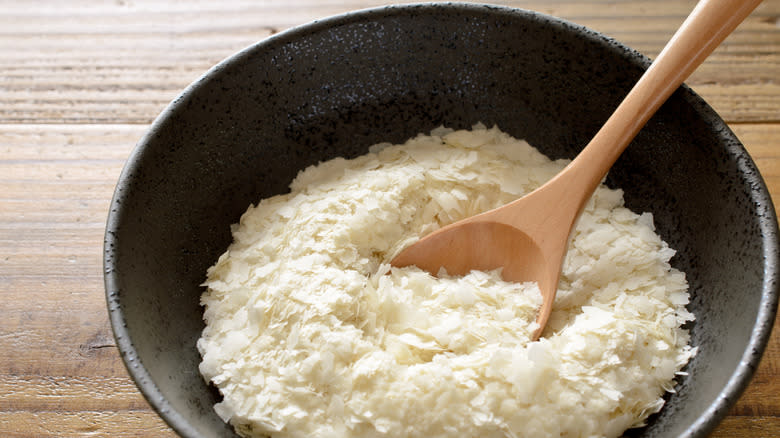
(334, 87)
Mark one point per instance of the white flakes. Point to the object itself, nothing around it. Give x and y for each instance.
(448, 203)
(310, 332)
(611, 393)
(679, 298)
(415, 341)
(286, 212)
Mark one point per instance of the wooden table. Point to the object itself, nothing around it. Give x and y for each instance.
(80, 81)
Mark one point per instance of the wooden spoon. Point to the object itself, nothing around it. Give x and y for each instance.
(528, 237)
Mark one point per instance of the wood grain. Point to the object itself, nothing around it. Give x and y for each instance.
(123, 63)
(81, 80)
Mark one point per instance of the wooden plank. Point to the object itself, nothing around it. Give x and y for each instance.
(761, 142)
(115, 424)
(149, 15)
(762, 397)
(742, 102)
(59, 337)
(748, 427)
(37, 393)
(55, 70)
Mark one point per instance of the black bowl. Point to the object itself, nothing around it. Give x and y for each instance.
(334, 87)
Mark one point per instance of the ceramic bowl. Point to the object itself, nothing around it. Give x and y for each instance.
(333, 87)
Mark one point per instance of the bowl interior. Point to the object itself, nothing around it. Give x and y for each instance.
(333, 88)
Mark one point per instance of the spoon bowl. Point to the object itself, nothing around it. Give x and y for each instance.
(495, 246)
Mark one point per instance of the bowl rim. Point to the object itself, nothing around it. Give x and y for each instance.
(767, 311)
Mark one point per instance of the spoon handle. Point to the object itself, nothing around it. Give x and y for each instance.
(704, 29)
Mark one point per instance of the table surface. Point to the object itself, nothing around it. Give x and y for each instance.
(80, 81)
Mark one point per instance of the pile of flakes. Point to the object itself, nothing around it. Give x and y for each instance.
(310, 332)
